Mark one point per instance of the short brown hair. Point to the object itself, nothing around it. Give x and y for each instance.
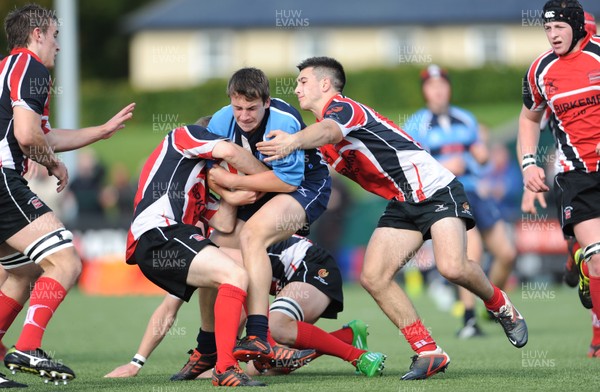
(20, 22)
(251, 83)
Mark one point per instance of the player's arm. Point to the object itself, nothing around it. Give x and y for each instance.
(238, 157)
(262, 182)
(159, 324)
(529, 134)
(235, 198)
(67, 140)
(281, 143)
(33, 143)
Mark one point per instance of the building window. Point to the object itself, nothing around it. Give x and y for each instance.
(488, 45)
(311, 43)
(213, 54)
(401, 47)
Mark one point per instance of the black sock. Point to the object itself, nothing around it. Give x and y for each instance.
(469, 314)
(257, 325)
(206, 342)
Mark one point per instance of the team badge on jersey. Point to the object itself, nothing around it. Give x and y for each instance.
(567, 212)
(35, 202)
(197, 237)
(594, 76)
(466, 208)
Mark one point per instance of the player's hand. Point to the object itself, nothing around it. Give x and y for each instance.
(528, 201)
(534, 179)
(118, 121)
(279, 145)
(242, 198)
(124, 371)
(62, 175)
(222, 177)
(598, 149)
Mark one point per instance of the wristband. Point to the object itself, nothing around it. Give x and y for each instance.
(528, 160)
(138, 360)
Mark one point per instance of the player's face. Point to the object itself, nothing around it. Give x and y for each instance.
(560, 35)
(437, 94)
(49, 47)
(308, 89)
(248, 113)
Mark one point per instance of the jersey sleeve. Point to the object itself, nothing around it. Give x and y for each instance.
(194, 141)
(348, 115)
(289, 169)
(222, 122)
(29, 84)
(532, 97)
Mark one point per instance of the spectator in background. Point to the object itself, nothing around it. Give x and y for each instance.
(118, 195)
(86, 187)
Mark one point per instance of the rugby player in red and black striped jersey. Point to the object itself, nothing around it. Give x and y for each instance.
(425, 201)
(34, 245)
(566, 79)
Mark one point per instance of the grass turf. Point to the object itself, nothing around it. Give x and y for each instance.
(93, 335)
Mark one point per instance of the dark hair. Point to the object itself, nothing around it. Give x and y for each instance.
(252, 83)
(326, 67)
(20, 22)
(203, 121)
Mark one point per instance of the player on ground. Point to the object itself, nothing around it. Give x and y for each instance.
(35, 248)
(451, 135)
(307, 284)
(299, 187)
(173, 252)
(566, 79)
(426, 201)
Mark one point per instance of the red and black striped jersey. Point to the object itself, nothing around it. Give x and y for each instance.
(24, 82)
(570, 86)
(172, 187)
(379, 156)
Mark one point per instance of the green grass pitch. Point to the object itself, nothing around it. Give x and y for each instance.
(93, 335)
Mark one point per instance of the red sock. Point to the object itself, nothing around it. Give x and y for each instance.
(418, 337)
(595, 294)
(45, 297)
(310, 336)
(9, 309)
(344, 334)
(496, 301)
(228, 308)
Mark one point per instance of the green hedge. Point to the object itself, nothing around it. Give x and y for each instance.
(389, 89)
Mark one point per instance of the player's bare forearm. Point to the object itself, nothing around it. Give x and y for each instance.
(529, 132)
(281, 143)
(225, 218)
(68, 140)
(263, 182)
(31, 138)
(238, 157)
(159, 324)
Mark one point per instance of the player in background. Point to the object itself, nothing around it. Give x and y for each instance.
(298, 189)
(565, 79)
(307, 284)
(173, 252)
(35, 248)
(452, 136)
(425, 201)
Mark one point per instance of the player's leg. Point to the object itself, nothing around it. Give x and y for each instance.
(588, 236)
(277, 220)
(502, 248)
(388, 250)
(449, 246)
(48, 244)
(474, 252)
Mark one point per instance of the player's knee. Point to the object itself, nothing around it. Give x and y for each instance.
(235, 276)
(284, 313)
(452, 271)
(55, 252)
(371, 282)
(282, 330)
(252, 237)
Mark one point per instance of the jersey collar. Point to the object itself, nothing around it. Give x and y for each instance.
(27, 51)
